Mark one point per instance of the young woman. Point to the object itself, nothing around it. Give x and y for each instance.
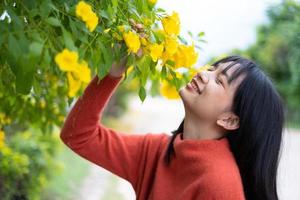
(226, 148)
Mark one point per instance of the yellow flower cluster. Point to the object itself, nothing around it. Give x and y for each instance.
(132, 41)
(169, 51)
(85, 13)
(78, 73)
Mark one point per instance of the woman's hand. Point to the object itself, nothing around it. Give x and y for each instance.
(117, 69)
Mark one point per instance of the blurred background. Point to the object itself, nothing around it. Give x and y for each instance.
(266, 31)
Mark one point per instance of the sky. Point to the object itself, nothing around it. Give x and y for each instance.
(227, 24)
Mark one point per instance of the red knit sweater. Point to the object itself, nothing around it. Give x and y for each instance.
(202, 169)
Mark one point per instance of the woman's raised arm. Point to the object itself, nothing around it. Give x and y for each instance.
(123, 154)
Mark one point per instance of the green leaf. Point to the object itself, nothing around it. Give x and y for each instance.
(107, 55)
(175, 79)
(53, 21)
(164, 72)
(170, 63)
(104, 14)
(46, 58)
(1, 38)
(130, 60)
(16, 20)
(154, 87)
(159, 37)
(37, 88)
(200, 34)
(190, 34)
(183, 40)
(115, 4)
(144, 66)
(45, 8)
(24, 75)
(36, 49)
(152, 67)
(160, 10)
(142, 93)
(69, 43)
(13, 47)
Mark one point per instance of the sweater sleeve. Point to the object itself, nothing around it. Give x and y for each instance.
(121, 153)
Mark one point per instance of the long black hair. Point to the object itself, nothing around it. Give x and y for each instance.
(256, 143)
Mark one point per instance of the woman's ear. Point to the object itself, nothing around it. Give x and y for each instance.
(228, 121)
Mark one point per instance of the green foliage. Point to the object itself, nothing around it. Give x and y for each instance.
(26, 162)
(33, 32)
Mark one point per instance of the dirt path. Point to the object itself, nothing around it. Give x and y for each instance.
(156, 115)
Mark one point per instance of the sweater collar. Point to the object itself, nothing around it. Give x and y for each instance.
(197, 145)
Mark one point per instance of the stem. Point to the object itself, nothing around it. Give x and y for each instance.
(89, 44)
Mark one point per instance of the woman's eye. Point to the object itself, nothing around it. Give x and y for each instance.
(218, 81)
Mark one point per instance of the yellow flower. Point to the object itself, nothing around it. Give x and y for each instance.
(132, 41)
(130, 69)
(171, 45)
(66, 60)
(83, 9)
(155, 51)
(166, 56)
(185, 56)
(2, 138)
(83, 71)
(74, 84)
(169, 91)
(152, 1)
(171, 24)
(85, 12)
(78, 72)
(92, 22)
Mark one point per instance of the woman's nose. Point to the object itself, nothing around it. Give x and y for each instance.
(203, 77)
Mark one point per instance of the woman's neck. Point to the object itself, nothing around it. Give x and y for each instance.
(199, 130)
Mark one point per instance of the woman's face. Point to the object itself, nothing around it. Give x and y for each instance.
(213, 96)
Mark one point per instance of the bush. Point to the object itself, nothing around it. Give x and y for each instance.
(26, 163)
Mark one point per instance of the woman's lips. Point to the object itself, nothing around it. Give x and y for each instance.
(192, 88)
